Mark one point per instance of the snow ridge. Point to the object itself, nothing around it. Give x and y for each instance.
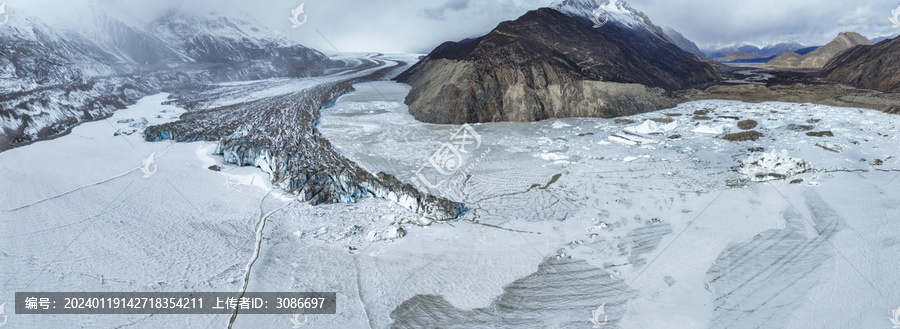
(618, 12)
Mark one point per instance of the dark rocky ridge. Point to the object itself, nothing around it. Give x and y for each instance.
(549, 65)
(870, 66)
(278, 134)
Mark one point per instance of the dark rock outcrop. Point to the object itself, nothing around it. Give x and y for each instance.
(549, 65)
(871, 67)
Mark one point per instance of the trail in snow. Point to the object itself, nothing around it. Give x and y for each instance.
(259, 238)
(88, 185)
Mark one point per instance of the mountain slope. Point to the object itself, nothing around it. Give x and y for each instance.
(546, 64)
(684, 43)
(51, 79)
(817, 58)
(868, 66)
(36, 54)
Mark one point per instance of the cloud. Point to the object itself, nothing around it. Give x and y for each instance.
(419, 26)
(440, 13)
(713, 23)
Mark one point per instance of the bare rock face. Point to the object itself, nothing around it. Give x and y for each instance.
(870, 67)
(790, 59)
(549, 65)
(817, 58)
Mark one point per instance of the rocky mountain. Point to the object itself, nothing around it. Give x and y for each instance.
(817, 58)
(36, 54)
(772, 50)
(867, 66)
(235, 47)
(764, 60)
(553, 63)
(684, 43)
(790, 59)
(53, 79)
(745, 52)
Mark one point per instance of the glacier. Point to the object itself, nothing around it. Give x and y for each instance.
(663, 231)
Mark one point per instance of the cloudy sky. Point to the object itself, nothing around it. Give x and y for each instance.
(418, 26)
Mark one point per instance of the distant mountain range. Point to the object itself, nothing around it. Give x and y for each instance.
(880, 39)
(747, 52)
(53, 79)
(553, 63)
(817, 58)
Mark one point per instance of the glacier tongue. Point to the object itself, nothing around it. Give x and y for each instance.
(278, 134)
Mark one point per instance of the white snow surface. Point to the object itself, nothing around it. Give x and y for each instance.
(674, 218)
(651, 127)
(616, 11)
(665, 232)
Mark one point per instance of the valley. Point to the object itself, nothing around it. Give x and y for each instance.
(568, 166)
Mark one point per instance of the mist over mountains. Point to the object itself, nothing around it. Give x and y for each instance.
(353, 25)
(58, 77)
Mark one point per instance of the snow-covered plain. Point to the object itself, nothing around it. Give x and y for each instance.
(658, 222)
(566, 216)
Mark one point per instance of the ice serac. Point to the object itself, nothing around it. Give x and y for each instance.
(819, 57)
(871, 67)
(278, 134)
(552, 63)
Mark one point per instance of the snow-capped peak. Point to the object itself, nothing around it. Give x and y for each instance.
(617, 11)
